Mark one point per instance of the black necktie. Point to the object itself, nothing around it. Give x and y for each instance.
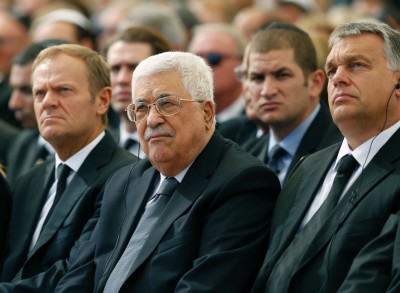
(129, 143)
(152, 212)
(283, 271)
(62, 175)
(275, 157)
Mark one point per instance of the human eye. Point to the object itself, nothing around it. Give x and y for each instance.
(257, 78)
(39, 94)
(141, 107)
(330, 72)
(281, 75)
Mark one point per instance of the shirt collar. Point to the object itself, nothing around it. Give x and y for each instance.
(77, 159)
(292, 141)
(367, 151)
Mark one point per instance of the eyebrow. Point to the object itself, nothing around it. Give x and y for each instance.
(347, 59)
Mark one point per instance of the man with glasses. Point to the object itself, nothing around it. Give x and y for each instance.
(191, 214)
(222, 47)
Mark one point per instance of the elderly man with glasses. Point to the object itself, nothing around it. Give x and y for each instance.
(192, 213)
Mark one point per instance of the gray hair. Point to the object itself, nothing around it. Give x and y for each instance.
(389, 36)
(197, 77)
(227, 29)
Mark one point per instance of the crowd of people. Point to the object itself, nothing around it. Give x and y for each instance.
(200, 146)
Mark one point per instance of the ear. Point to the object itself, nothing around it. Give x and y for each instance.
(103, 99)
(209, 114)
(316, 82)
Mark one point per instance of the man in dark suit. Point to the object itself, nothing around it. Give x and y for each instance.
(124, 51)
(208, 237)
(71, 89)
(7, 135)
(320, 224)
(29, 147)
(285, 85)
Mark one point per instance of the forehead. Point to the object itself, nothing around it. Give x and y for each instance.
(61, 68)
(218, 42)
(273, 60)
(366, 45)
(133, 52)
(151, 87)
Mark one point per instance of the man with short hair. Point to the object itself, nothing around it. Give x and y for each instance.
(285, 86)
(56, 204)
(29, 147)
(192, 213)
(337, 200)
(124, 51)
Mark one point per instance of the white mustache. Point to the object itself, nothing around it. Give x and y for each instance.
(156, 131)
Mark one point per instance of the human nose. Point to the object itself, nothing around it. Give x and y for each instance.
(153, 116)
(15, 102)
(124, 75)
(339, 77)
(268, 87)
(49, 100)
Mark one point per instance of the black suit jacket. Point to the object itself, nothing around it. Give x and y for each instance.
(71, 222)
(321, 133)
(239, 129)
(5, 212)
(357, 219)
(21, 156)
(210, 238)
(8, 133)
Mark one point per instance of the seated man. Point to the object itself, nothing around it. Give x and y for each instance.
(197, 232)
(53, 211)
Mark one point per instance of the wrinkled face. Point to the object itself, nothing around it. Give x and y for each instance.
(13, 39)
(66, 112)
(123, 58)
(21, 100)
(278, 89)
(223, 45)
(360, 84)
(175, 140)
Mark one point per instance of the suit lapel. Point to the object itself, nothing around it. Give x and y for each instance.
(305, 190)
(378, 169)
(81, 182)
(187, 192)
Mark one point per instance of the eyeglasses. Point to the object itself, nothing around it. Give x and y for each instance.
(166, 106)
(240, 73)
(214, 59)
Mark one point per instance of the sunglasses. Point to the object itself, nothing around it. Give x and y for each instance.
(214, 59)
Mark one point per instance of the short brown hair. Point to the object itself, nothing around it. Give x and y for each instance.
(142, 34)
(280, 36)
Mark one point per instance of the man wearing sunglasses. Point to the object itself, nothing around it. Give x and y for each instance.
(222, 48)
(195, 234)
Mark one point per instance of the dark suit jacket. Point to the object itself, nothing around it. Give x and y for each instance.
(321, 133)
(357, 219)
(210, 237)
(5, 212)
(70, 223)
(239, 129)
(8, 133)
(377, 263)
(21, 156)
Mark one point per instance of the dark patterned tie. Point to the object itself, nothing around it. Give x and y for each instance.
(275, 157)
(152, 212)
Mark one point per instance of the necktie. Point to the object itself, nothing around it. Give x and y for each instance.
(282, 273)
(153, 210)
(62, 174)
(275, 158)
(129, 143)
